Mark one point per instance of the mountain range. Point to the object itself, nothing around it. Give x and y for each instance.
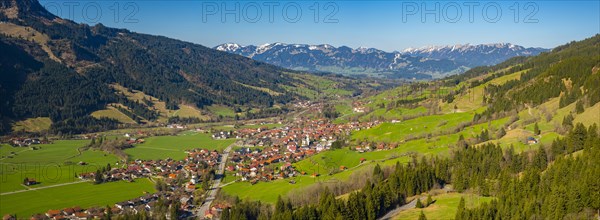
(421, 63)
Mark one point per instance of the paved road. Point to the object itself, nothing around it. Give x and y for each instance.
(212, 192)
(411, 205)
(43, 187)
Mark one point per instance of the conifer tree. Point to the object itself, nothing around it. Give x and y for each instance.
(422, 216)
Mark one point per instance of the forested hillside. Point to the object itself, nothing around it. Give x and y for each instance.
(569, 72)
(59, 69)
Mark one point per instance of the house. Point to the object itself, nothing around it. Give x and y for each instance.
(51, 213)
(38, 217)
(68, 211)
(80, 216)
(29, 181)
(190, 187)
(531, 140)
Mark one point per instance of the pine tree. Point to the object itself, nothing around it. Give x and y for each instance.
(501, 133)
(429, 200)
(461, 209)
(419, 204)
(579, 107)
(422, 216)
(98, 177)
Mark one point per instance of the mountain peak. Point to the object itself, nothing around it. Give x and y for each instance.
(228, 47)
(14, 9)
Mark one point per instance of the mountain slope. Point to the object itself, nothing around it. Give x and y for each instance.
(60, 69)
(422, 63)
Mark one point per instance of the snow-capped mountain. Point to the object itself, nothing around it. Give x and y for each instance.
(422, 63)
(345, 60)
(474, 55)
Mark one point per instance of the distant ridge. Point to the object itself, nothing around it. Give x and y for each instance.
(421, 63)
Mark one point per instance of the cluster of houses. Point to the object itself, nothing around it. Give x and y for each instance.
(176, 126)
(146, 203)
(180, 176)
(197, 163)
(366, 147)
(72, 213)
(26, 142)
(285, 145)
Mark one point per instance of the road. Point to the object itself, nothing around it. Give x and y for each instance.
(411, 205)
(43, 187)
(212, 192)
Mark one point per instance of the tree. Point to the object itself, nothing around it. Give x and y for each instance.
(98, 177)
(377, 173)
(568, 122)
(422, 216)
(461, 144)
(429, 200)
(160, 185)
(338, 144)
(108, 215)
(461, 209)
(419, 204)
(536, 129)
(501, 133)
(579, 107)
(174, 211)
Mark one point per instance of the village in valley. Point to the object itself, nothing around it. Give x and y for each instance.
(261, 154)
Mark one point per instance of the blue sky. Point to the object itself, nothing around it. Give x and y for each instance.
(386, 25)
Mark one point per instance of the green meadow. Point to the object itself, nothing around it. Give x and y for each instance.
(50, 164)
(162, 147)
(25, 204)
(398, 132)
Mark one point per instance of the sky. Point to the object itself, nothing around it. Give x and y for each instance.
(385, 25)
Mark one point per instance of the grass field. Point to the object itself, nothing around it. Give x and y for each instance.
(589, 116)
(221, 110)
(111, 112)
(173, 147)
(51, 164)
(397, 132)
(444, 207)
(85, 195)
(473, 97)
(33, 125)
